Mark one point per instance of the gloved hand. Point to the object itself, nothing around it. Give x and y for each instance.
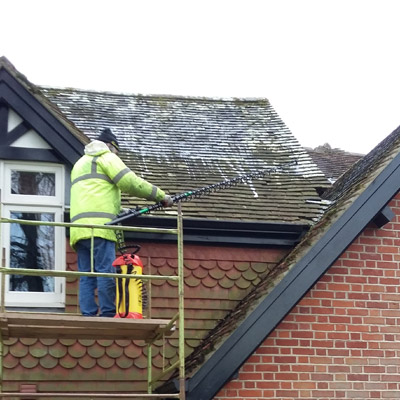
(167, 201)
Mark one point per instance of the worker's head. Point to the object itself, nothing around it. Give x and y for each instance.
(109, 138)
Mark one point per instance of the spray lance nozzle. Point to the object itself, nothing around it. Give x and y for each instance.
(206, 190)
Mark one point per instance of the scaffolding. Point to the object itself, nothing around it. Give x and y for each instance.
(37, 325)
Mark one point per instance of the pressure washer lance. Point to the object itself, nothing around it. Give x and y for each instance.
(206, 190)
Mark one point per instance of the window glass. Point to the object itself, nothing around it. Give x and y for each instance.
(33, 183)
(32, 247)
(33, 191)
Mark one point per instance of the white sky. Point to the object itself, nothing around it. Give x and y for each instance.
(331, 69)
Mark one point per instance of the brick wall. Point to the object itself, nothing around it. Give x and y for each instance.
(342, 340)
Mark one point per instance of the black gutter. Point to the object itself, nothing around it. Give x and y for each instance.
(239, 233)
(233, 353)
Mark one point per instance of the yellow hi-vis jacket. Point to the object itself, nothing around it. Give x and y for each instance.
(97, 180)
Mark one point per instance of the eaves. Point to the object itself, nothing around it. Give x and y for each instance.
(213, 232)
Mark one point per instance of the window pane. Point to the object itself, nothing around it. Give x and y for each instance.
(32, 247)
(33, 183)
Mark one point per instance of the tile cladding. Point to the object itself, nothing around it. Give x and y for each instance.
(216, 279)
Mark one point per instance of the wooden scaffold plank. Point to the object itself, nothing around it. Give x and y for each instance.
(41, 325)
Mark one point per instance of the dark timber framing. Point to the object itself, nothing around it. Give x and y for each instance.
(66, 147)
(224, 363)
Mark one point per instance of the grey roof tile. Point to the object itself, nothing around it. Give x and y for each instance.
(181, 143)
(333, 162)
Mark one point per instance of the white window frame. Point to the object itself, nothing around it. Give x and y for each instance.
(35, 204)
(57, 170)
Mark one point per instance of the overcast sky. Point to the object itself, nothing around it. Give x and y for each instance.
(331, 69)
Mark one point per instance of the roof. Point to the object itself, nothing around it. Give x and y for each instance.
(184, 143)
(333, 162)
(357, 198)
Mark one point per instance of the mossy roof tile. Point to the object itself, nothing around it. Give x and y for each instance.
(38, 350)
(159, 362)
(19, 349)
(208, 264)
(10, 341)
(48, 342)
(105, 343)
(169, 352)
(28, 341)
(126, 362)
(29, 361)
(86, 342)
(68, 362)
(186, 272)
(76, 350)
(106, 362)
(165, 270)
(226, 283)
(256, 281)
(10, 362)
(172, 262)
(192, 343)
(157, 282)
(217, 273)
(242, 283)
(191, 264)
(172, 283)
(200, 273)
(155, 350)
(48, 361)
(67, 342)
(114, 351)
(225, 265)
(133, 351)
(158, 262)
(86, 361)
(140, 363)
(208, 282)
(261, 267)
(96, 351)
(192, 281)
(241, 266)
(250, 275)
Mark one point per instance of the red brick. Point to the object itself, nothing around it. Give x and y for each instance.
(370, 240)
(249, 376)
(287, 393)
(267, 367)
(387, 249)
(284, 359)
(320, 394)
(250, 393)
(267, 385)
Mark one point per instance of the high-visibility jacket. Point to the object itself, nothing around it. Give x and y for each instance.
(97, 180)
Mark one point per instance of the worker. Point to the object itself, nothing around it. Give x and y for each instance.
(97, 180)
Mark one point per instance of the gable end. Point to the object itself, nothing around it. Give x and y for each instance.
(66, 148)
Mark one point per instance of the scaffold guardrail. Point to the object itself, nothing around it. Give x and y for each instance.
(179, 316)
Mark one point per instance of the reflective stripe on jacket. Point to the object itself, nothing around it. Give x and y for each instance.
(97, 180)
